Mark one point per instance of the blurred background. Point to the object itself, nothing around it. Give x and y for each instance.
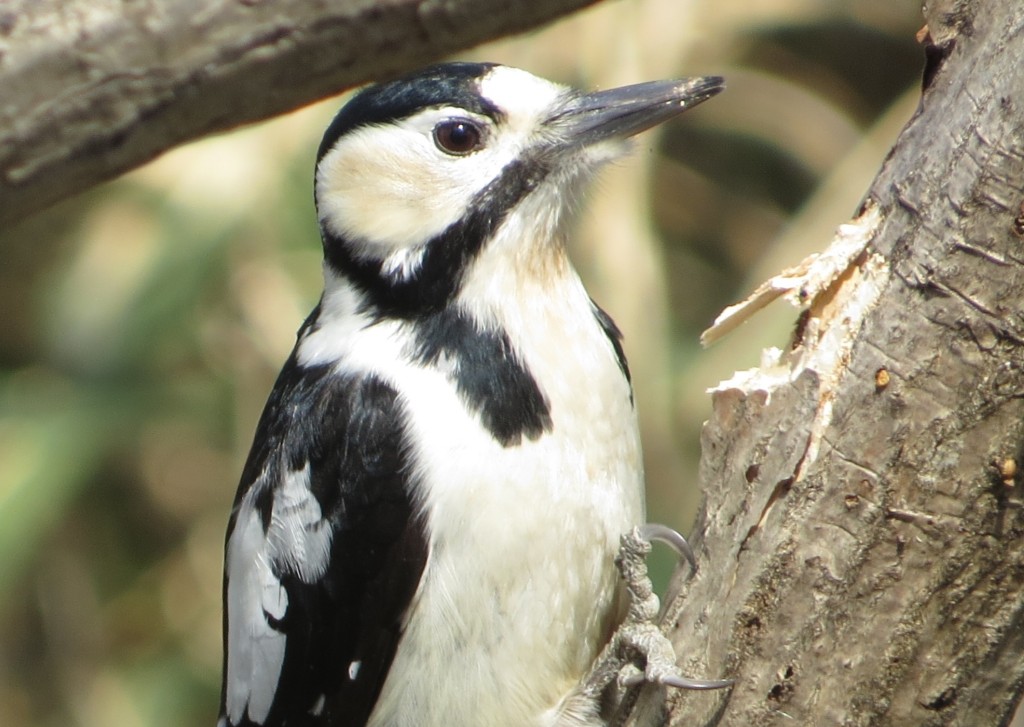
(144, 322)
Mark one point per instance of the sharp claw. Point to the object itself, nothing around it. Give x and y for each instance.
(671, 538)
(633, 680)
(679, 682)
(686, 683)
(639, 639)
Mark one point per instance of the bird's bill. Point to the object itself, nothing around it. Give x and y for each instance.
(621, 112)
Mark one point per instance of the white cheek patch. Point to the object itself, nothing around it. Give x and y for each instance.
(388, 188)
(370, 189)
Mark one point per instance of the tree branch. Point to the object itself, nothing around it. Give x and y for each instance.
(861, 539)
(138, 78)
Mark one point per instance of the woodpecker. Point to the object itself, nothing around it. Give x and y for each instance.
(426, 527)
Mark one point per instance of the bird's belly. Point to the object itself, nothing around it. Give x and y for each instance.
(520, 590)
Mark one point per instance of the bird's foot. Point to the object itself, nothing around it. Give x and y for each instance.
(639, 652)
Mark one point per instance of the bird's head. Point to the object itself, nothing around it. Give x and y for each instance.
(417, 176)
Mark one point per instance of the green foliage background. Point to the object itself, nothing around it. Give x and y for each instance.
(143, 322)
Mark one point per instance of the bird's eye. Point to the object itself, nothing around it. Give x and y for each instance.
(458, 137)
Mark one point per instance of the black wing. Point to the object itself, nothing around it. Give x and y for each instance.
(325, 549)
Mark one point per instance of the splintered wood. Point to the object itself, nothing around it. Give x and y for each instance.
(837, 288)
(802, 284)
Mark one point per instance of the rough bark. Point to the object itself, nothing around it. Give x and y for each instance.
(860, 544)
(92, 89)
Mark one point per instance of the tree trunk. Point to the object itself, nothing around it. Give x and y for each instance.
(137, 78)
(860, 540)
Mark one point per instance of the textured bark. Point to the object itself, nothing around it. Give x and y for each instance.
(92, 88)
(860, 544)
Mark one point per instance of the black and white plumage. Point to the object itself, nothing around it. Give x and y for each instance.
(425, 528)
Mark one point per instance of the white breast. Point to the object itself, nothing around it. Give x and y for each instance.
(520, 590)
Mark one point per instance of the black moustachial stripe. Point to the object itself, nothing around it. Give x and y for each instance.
(446, 257)
(487, 374)
(348, 429)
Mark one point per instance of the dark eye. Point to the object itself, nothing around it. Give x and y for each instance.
(458, 137)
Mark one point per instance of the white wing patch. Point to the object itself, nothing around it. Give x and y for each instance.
(298, 541)
(298, 536)
(353, 670)
(255, 648)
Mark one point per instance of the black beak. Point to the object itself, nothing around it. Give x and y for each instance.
(622, 112)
